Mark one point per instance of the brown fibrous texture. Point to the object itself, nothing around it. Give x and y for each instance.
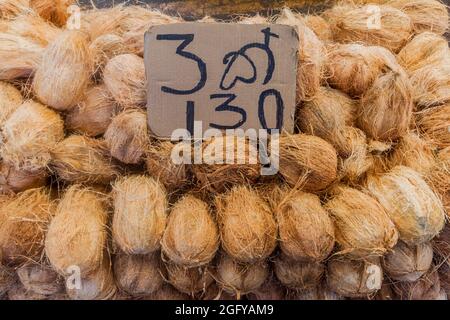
(104, 48)
(40, 279)
(270, 290)
(425, 288)
(434, 124)
(14, 180)
(298, 275)
(10, 100)
(320, 27)
(11, 8)
(55, 11)
(431, 85)
(189, 280)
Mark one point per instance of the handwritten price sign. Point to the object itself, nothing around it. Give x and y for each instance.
(227, 76)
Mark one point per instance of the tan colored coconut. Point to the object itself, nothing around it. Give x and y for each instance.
(426, 15)
(23, 220)
(431, 85)
(386, 108)
(354, 278)
(441, 243)
(124, 76)
(77, 234)
(138, 275)
(311, 55)
(320, 27)
(10, 100)
(55, 11)
(14, 180)
(93, 115)
(426, 288)
(434, 123)
(439, 178)
(140, 213)
(29, 134)
(189, 280)
(215, 292)
(307, 161)
(63, 75)
(408, 262)
(127, 137)
(270, 290)
(167, 292)
(363, 227)
(298, 275)
(247, 226)
(12, 8)
(227, 161)
(80, 159)
(33, 27)
(7, 279)
(103, 49)
(191, 237)
(410, 203)
(40, 279)
(350, 23)
(306, 232)
(239, 279)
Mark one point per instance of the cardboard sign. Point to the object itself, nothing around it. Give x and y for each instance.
(227, 76)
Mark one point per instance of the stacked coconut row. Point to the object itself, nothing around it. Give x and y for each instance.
(93, 208)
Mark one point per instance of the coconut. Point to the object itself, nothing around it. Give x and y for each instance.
(189, 280)
(307, 161)
(320, 27)
(431, 85)
(227, 161)
(320, 292)
(386, 108)
(63, 75)
(306, 232)
(441, 243)
(362, 226)
(124, 76)
(298, 275)
(14, 180)
(12, 8)
(408, 262)
(191, 237)
(80, 159)
(140, 213)
(93, 115)
(311, 55)
(18, 292)
(354, 278)
(7, 279)
(127, 137)
(247, 226)
(444, 276)
(33, 27)
(167, 292)
(351, 23)
(439, 178)
(40, 279)
(434, 124)
(138, 275)
(426, 288)
(270, 290)
(214, 292)
(77, 234)
(10, 100)
(426, 15)
(239, 279)
(410, 203)
(103, 49)
(53, 11)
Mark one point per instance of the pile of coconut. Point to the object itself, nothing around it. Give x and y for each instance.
(92, 207)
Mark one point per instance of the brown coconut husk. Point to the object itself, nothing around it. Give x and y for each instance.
(77, 234)
(298, 275)
(138, 275)
(247, 226)
(408, 262)
(426, 288)
(40, 279)
(191, 237)
(270, 290)
(349, 23)
(215, 292)
(306, 232)
(311, 55)
(439, 178)
(320, 27)
(239, 279)
(433, 123)
(431, 85)
(444, 276)
(124, 76)
(167, 292)
(189, 280)
(29, 134)
(10, 100)
(23, 222)
(227, 161)
(80, 159)
(320, 292)
(55, 11)
(386, 108)
(363, 227)
(103, 49)
(426, 15)
(63, 75)
(93, 115)
(140, 213)
(415, 209)
(127, 137)
(7, 279)
(12, 8)
(354, 278)
(18, 292)
(256, 19)
(307, 161)
(14, 180)
(441, 244)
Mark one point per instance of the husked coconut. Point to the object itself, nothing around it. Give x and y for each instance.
(40, 279)
(433, 124)
(425, 288)
(14, 180)
(296, 274)
(215, 292)
(33, 27)
(167, 292)
(7, 279)
(189, 280)
(103, 49)
(431, 85)
(320, 26)
(439, 178)
(320, 292)
(10, 100)
(270, 290)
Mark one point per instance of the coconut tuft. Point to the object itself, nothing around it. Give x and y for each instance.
(93, 115)
(320, 27)
(306, 232)
(14, 180)
(140, 213)
(191, 237)
(415, 209)
(55, 11)
(63, 75)
(77, 234)
(408, 262)
(431, 85)
(80, 159)
(138, 275)
(298, 275)
(10, 100)
(103, 49)
(434, 123)
(247, 226)
(426, 288)
(40, 279)
(189, 280)
(127, 137)
(124, 76)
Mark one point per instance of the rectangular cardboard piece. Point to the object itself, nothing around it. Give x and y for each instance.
(225, 75)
